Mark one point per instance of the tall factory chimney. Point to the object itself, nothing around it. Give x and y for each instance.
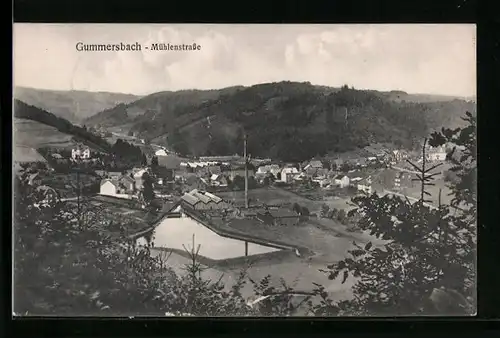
(246, 169)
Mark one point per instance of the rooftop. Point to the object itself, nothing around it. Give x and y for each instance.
(127, 178)
(316, 164)
(195, 196)
(190, 199)
(114, 182)
(201, 197)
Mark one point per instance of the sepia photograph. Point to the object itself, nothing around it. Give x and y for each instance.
(257, 170)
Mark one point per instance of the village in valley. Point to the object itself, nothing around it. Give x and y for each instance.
(273, 214)
(186, 183)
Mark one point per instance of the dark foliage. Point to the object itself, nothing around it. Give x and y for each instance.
(285, 120)
(147, 183)
(126, 151)
(429, 256)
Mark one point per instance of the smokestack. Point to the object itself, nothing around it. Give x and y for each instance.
(246, 169)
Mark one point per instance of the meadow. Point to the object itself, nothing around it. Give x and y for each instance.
(37, 135)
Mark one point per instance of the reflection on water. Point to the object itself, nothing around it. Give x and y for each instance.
(176, 232)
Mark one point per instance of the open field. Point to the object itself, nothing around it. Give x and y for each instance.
(433, 190)
(136, 220)
(270, 196)
(274, 196)
(35, 134)
(66, 184)
(325, 238)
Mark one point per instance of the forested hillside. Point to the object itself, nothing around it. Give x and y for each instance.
(287, 120)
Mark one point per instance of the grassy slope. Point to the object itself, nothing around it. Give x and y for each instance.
(36, 135)
(46, 129)
(72, 105)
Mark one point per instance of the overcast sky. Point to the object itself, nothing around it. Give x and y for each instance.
(435, 59)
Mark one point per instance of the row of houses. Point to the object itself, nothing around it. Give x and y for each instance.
(386, 179)
(203, 200)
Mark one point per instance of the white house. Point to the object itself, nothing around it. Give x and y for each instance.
(82, 153)
(271, 168)
(109, 187)
(436, 154)
(287, 174)
(341, 180)
(365, 185)
(138, 178)
(399, 155)
(112, 188)
(139, 173)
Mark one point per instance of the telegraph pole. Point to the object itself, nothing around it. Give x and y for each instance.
(246, 169)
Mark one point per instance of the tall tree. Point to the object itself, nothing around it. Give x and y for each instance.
(154, 161)
(429, 253)
(148, 192)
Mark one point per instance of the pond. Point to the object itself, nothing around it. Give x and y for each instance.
(173, 233)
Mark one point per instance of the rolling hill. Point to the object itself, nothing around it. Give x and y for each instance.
(35, 127)
(72, 105)
(286, 120)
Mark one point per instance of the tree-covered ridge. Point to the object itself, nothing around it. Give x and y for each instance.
(285, 120)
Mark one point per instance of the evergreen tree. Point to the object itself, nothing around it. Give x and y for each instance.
(154, 161)
(148, 192)
(429, 253)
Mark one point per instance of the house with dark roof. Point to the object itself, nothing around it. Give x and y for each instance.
(114, 175)
(34, 179)
(169, 162)
(164, 175)
(214, 169)
(218, 180)
(101, 173)
(239, 170)
(317, 164)
(127, 182)
(167, 166)
(190, 201)
(280, 216)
